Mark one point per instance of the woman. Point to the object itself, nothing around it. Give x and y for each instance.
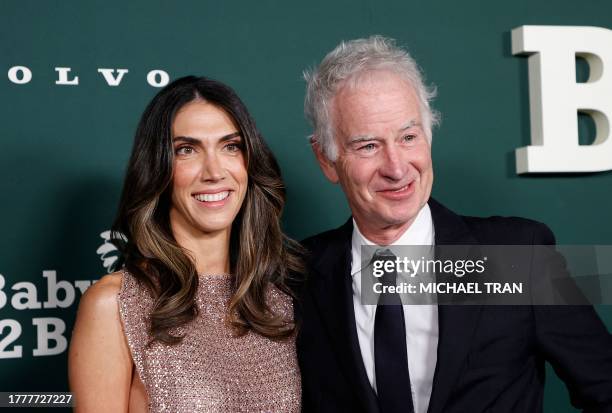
(200, 318)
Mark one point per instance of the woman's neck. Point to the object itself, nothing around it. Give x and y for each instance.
(210, 251)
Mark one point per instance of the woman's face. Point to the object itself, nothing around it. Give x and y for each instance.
(210, 178)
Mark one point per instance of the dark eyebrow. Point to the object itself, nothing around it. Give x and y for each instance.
(230, 136)
(186, 139)
(196, 141)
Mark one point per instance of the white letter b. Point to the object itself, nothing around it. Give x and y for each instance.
(555, 98)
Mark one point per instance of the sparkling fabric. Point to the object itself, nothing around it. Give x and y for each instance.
(211, 370)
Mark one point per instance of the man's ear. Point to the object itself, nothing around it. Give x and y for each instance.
(328, 167)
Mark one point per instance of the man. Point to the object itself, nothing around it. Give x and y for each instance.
(372, 134)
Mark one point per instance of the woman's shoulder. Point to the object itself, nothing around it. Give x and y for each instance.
(99, 354)
(110, 282)
(101, 296)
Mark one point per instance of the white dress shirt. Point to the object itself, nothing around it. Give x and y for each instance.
(421, 320)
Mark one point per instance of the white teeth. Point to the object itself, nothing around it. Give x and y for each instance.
(401, 189)
(219, 196)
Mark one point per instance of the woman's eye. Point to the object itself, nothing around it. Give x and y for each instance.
(233, 147)
(183, 150)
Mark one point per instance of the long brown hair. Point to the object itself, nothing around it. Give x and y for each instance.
(260, 254)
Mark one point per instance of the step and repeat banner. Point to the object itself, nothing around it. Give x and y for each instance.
(517, 137)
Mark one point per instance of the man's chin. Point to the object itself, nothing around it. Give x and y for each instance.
(398, 224)
(391, 222)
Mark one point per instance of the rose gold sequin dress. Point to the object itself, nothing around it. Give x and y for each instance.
(211, 370)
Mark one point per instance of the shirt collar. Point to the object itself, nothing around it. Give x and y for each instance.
(421, 232)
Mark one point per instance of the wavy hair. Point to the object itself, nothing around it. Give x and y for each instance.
(260, 254)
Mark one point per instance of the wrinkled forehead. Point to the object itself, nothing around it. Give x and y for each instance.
(375, 86)
(375, 99)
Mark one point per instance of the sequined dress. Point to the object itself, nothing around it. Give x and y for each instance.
(211, 370)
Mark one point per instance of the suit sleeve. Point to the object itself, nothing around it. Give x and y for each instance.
(574, 340)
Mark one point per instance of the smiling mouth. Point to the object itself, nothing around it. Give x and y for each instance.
(219, 196)
(402, 189)
(398, 193)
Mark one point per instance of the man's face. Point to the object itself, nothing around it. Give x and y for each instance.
(384, 158)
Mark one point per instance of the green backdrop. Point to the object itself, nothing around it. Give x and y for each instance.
(64, 148)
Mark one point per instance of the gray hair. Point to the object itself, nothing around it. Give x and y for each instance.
(346, 62)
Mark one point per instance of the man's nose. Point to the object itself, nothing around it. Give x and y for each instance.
(212, 169)
(393, 164)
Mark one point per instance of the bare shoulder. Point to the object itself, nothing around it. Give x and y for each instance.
(101, 297)
(100, 364)
(98, 324)
(109, 283)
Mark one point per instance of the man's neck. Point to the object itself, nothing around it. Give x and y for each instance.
(384, 235)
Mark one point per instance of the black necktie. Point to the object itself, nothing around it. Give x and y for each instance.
(390, 357)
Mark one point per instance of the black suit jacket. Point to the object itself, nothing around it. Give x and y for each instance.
(490, 358)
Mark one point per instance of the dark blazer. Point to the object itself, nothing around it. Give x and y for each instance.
(490, 358)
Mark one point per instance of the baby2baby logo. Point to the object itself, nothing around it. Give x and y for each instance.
(50, 332)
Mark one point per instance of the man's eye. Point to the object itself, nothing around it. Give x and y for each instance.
(367, 148)
(183, 150)
(409, 138)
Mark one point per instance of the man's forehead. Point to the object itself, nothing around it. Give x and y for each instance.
(383, 94)
(380, 104)
(366, 116)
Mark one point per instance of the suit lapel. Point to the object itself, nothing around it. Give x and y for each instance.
(332, 292)
(456, 323)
